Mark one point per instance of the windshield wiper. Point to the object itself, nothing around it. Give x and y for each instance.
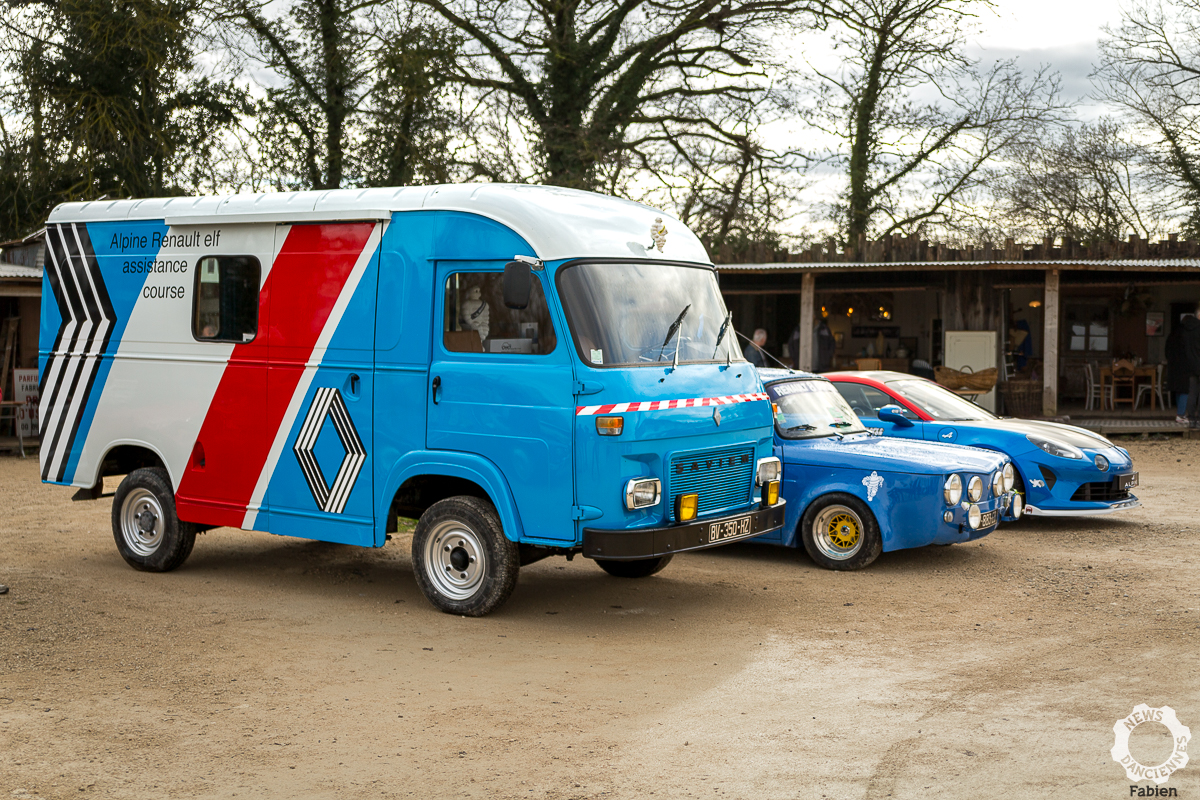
(840, 424)
(721, 336)
(801, 428)
(671, 335)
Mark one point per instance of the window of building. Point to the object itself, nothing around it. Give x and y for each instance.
(225, 308)
(477, 321)
(1088, 327)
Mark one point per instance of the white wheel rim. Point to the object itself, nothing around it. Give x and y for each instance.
(455, 560)
(838, 532)
(142, 523)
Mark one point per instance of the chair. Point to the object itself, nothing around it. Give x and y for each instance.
(868, 363)
(1151, 388)
(1095, 392)
(1123, 378)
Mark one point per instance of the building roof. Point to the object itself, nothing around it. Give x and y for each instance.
(1165, 264)
(558, 223)
(8, 270)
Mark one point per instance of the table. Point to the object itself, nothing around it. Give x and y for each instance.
(1146, 371)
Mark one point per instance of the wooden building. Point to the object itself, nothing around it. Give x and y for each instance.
(1078, 307)
(20, 305)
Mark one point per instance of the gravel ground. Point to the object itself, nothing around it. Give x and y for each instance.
(273, 667)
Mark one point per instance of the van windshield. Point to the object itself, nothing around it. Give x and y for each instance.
(622, 313)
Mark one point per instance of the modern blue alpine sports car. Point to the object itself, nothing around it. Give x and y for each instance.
(852, 495)
(1062, 470)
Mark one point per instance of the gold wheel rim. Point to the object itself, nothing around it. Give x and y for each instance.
(844, 531)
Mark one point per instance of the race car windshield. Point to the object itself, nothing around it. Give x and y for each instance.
(624, 314)
(939, 402)
(812, 408)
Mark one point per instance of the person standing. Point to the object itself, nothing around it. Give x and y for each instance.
(1191, 341)
(754, 349)
(1178, 373)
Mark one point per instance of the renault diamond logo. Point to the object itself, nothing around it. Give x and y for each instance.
(717, 416)
(331, 498)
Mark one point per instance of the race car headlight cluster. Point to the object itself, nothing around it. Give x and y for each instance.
(1010, 477)
(642, 493)
(1101, 463)
(952, 491)
(769, 469)
(1060, 449)
(975, 489)
(998, 484)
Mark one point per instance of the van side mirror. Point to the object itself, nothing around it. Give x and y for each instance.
(518, 283)
(895, 415)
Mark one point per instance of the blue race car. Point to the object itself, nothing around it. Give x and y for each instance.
(1062, 470)
(852, 495)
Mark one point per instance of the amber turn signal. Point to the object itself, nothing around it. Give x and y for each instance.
(771, 493)
(610, 426)
(685, 507)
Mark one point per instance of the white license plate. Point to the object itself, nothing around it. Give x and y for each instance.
(730, 528)
(989, 519)
(1127, 481)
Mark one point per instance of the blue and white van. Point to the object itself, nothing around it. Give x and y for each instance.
(529, 371)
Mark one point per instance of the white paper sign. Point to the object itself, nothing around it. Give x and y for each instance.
(25, 391)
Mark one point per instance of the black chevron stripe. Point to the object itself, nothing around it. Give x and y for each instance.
(71, 311)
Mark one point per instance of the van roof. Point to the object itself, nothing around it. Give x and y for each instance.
(558, 223)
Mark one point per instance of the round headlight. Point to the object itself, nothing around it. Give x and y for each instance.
(953, 490)
(974, 516)
(1010, 477)
(1018, 506)
(975, 489)
(1102, 463)
(998, 484)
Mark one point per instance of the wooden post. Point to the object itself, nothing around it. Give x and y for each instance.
(808, 285)
(1050, 345)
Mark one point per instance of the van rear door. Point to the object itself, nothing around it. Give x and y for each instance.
(501, 387)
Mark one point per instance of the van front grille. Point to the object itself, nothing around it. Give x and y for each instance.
(722, 478)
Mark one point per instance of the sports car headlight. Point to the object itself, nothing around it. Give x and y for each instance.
(952, 491)
(1101, 463)
(998, 484)
(975, 489)
(974, 516)
(1060, 449)
(1010, 477)
(769, 470)
(642, 493)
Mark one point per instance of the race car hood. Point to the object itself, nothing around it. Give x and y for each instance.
(1067, 434)
(911, 456)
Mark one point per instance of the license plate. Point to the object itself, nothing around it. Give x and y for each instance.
(730, 528)
(1127, 481)
(989, 519)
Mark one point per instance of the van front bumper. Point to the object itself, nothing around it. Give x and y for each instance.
(631, 545)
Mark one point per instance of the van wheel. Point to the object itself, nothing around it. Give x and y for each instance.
(149, 535)
(642, 568)
(840, 532)
(463, 562)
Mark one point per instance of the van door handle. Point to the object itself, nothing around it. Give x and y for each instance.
(354, 385)
(437, 385)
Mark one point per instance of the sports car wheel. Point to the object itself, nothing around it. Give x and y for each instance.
(840, 532)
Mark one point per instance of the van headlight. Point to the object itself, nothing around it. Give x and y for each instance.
(975, 489)
(769, 469)
(1060, 449)
(952, 490)
(1010, 477)
(642, 493)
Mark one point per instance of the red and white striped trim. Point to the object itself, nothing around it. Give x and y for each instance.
(661, 405)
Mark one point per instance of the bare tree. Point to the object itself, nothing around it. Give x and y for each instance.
(584, 73)
(1150, 67)
(917, 119)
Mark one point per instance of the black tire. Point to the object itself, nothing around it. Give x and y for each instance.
(858, 525)
(462, 561)
(642, 568)
(149, 534)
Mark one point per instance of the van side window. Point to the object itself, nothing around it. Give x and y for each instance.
(477, 321)
(226, 300)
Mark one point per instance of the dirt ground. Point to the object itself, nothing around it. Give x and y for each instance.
(273, 667)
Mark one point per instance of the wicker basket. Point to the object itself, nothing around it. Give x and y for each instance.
(1022, 397)
(982, 382)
